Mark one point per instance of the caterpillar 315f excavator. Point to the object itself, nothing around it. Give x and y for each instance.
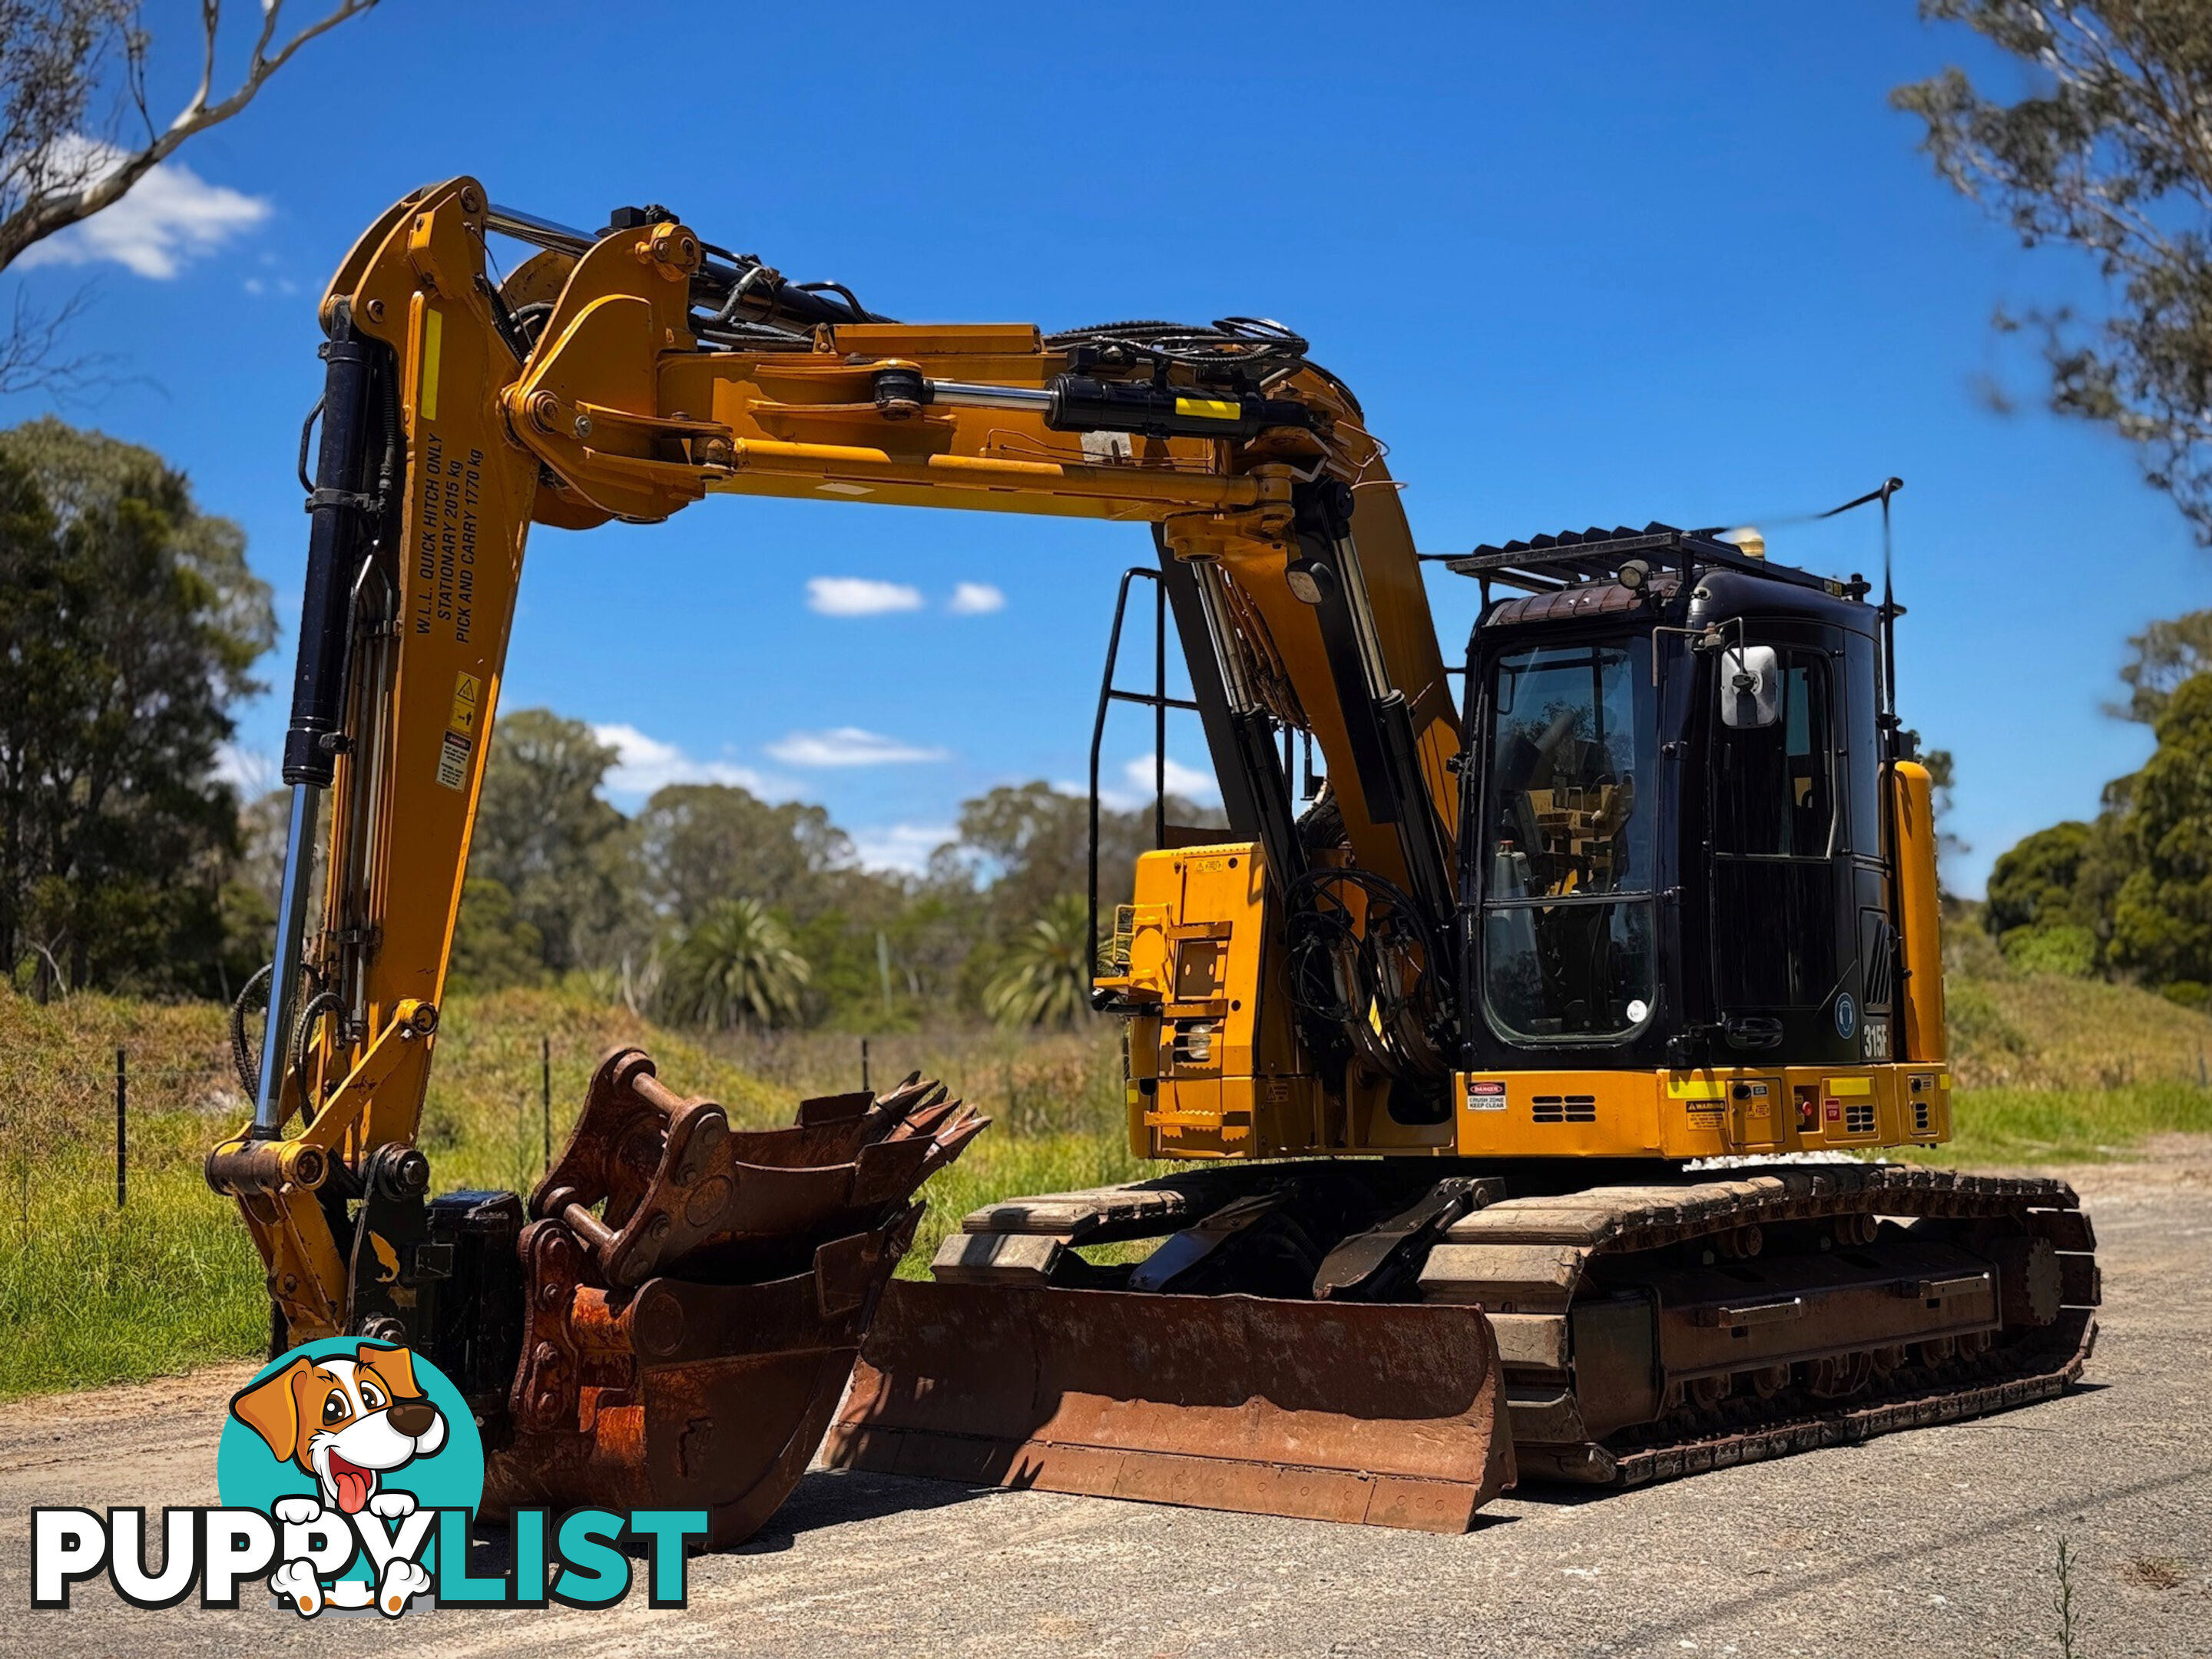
(1447, 1034)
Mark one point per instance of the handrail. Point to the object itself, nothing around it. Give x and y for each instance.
(1157, 700)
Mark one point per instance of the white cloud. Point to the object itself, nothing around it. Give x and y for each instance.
(976, 600)
(168, 217)
(849, 746)
(904, 848)
(644, 764)
(860, 596)
(252, 772)
(1188, 781)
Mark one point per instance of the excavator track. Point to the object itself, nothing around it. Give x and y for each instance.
(1653, 1332)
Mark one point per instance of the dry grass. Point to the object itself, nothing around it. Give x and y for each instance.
(2040, 1031)
(2058, 1070)
(2154, 1572)
(2054, 1070)
(89, 1295)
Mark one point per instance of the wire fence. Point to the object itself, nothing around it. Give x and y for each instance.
(104, 1128)
(107, 1133)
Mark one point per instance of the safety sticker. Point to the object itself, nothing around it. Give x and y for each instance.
(1486, 1096)
(453, 761)
(1209, 408)
(426, 384)
(467, 689)
(460, 731)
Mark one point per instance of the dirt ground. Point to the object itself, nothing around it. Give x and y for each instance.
(1942, 1541)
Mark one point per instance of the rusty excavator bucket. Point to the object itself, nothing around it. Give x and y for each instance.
(696, 1295)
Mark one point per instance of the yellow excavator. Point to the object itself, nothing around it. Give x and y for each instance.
(1526, 1051)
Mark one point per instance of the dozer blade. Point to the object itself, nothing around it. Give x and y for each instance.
(1393, 1415)
(687, 1341)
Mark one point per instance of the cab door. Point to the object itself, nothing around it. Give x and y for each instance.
(1784, 886)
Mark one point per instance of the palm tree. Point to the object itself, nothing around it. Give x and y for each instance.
(735, 967)
(1046, 978)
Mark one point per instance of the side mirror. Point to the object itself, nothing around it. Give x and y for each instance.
(1751, 686)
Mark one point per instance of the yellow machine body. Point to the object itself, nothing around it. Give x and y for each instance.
(1216, 1069)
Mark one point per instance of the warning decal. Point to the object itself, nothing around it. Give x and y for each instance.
(463, 717)
(1485, 1095)
(460, 731)
(453, 762)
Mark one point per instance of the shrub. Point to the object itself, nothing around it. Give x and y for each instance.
(2061, 948)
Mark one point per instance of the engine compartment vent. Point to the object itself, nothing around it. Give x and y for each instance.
(1564, 1109)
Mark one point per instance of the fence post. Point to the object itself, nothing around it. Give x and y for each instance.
(863, 1062)
(546, 1095)
(122, 1117)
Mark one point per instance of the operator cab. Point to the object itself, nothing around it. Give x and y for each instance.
(1674, 847)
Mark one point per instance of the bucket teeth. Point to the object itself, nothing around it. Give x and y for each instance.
(696, 1295)
(673, 1183)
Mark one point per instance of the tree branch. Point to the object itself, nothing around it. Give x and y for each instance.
(2109, 151)
(46, 210)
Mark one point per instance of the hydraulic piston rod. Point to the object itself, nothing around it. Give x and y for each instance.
(342, 522)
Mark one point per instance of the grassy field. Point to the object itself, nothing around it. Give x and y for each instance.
(91, 1294)
(2052, 1070)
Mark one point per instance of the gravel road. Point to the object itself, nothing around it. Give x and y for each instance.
(1942, 1541)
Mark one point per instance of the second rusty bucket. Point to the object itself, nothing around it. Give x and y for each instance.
(696, 1295)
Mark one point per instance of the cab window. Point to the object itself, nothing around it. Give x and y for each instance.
(1774, 786)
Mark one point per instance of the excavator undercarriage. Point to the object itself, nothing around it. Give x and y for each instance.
(1640, 1332)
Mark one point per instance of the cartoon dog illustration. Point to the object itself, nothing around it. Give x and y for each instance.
(349, 1422)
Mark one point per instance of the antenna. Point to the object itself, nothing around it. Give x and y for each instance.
(1888, 697)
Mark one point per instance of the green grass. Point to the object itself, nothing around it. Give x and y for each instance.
(2042, 1031)
(88, 1295)
(2052, 1070)
(2087, 1126)
(993, 1167)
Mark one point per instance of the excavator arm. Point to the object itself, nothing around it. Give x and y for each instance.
(624, 376)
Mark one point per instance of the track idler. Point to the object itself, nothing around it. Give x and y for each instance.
(696, 1295)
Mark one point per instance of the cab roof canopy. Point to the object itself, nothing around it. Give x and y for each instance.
(1547, 564)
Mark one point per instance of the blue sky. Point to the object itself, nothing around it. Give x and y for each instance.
(1583, 265)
